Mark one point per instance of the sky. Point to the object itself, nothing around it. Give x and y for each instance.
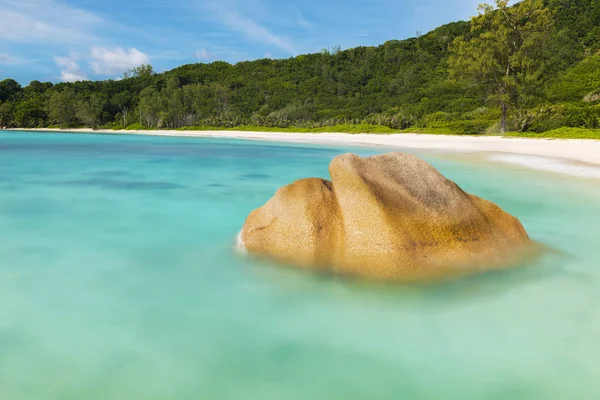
(71, 40)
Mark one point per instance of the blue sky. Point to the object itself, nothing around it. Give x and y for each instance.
(68, 40)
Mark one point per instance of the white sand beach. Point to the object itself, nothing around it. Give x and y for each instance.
(570, 156)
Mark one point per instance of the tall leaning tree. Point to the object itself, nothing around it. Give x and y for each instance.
(505, 53)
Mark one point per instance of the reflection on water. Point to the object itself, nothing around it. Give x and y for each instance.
(118, 281)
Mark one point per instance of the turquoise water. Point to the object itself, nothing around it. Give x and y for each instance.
(118, 281)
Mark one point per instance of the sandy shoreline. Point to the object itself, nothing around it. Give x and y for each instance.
(573, 150)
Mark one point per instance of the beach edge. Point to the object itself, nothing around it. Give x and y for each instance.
(577, 150)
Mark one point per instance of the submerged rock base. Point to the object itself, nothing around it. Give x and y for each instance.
(391, 217)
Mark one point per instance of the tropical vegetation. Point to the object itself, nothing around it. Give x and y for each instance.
(531, 68)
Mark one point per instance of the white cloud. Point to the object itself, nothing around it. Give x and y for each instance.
(228, 14)
(268, 54)
(71, 72)
(67, 76)
(45, 21)
(6, 58)
(204, 55)
(110, 62)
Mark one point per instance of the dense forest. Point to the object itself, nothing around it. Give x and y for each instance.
(532, 67)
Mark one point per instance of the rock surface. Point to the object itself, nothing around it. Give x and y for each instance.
(391, 216)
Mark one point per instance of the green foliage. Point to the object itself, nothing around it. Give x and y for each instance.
(354, 128)
(450, 80)
(578, 115)
(120, 104)
(578, 82)
(90, 111)
(9, 90)
(342, 128)
(580, 19)
(142, 71)
(581, 117)
(6, 114)
(505, 53)
(30, 113)
(470, 123)
(61, 107)
(430, 131)
(136, 127)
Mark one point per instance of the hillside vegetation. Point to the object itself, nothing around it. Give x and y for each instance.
(444, 81)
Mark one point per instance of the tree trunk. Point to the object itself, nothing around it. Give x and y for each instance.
(503, 121)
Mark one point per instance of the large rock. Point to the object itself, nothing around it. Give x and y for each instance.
(391, 216)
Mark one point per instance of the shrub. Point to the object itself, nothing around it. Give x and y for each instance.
(469, 127)
(581, 117)
(136, 127)
(484, 113)
(455, 123)
(547, 122)
(578, 81)
(437, 120)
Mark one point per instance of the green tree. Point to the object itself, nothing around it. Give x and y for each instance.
(9, 89)
(122, 101)
(30, 113)
(144, 70)
(221, 97)
(38, 87)
(174, 113)
(90, 111)
(61, 107)
(151, 107)
(505, 53)
(6, 114)
(578, 81)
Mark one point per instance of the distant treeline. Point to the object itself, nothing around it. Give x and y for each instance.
(532, 67)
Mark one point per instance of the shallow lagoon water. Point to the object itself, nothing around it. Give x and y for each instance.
(118, 281)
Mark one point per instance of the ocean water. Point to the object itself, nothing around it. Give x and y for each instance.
(118, 281)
